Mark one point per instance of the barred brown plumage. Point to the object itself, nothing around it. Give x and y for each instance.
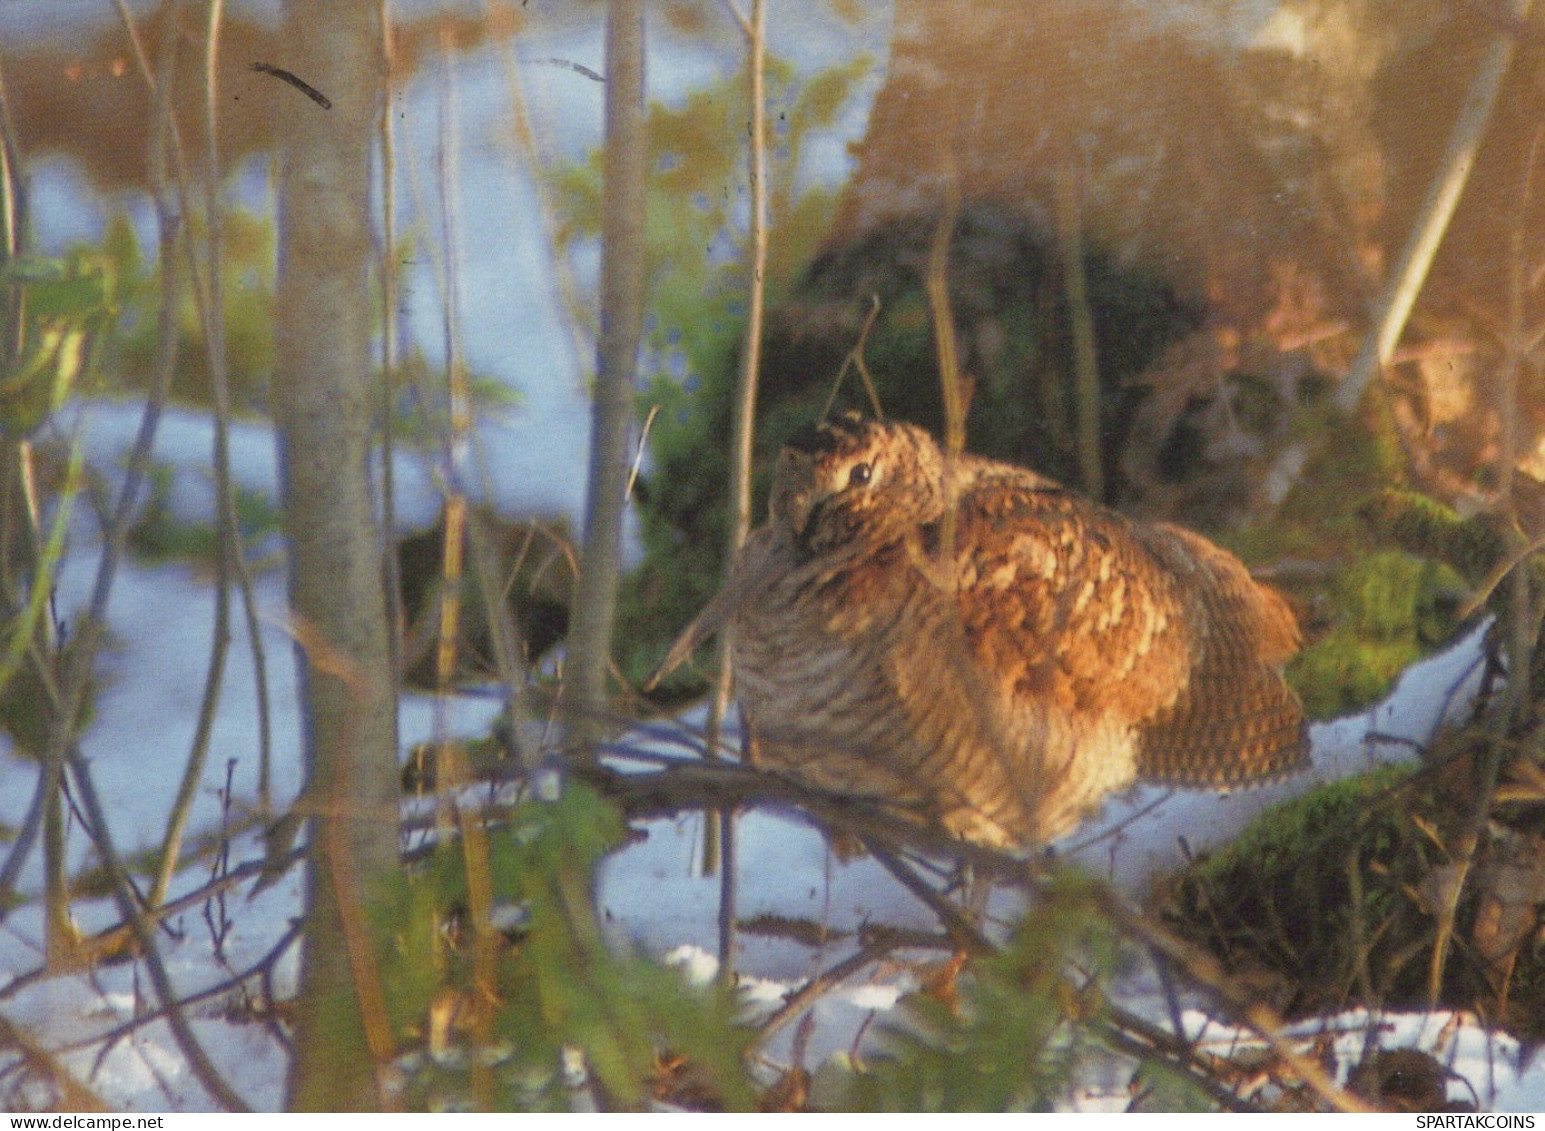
(979, 647)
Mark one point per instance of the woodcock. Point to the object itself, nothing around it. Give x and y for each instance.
(996, 674)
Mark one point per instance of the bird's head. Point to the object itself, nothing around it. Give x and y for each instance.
(849, 479)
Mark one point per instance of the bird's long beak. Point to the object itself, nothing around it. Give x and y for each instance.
(798, 509)
(762, 560)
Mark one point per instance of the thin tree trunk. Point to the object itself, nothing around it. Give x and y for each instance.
(622, 320)
(323, 400)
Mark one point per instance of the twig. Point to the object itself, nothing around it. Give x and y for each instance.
(387, 269)
(739, 17)
(208, 297)
(73, 1095)
(453, 505)
(803, 998)
(216, 913)
(450, 762)
(951, 381)
(1075, 284)
(729, 892)
(1498, 573)
(211, 308)
(1410, 271)
(1522, 616)
(638, 452)
(956, 923)
(855, 360)
(198, 1062)
(744, 408)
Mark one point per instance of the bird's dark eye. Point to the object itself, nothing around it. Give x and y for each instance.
(860, 475)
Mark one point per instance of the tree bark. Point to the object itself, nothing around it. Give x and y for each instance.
(622, 320)
(322, 403)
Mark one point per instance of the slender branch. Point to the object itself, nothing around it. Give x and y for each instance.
(951, 381)
(739, 16)
(742, 437)
(1075, 283)
(855, 360)
(199, 1064)
(821, 984)
(387, 268)
(208, 301)
(115, 536)
(729, 888)
(454, 502)
(13, 226)
(73, 1095)
(220, 377)
(1409, 273)
(212, 318)
(448, 176)
(959, 927)
(461, 535)
(744, 408)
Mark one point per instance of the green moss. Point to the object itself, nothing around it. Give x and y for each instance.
(1342, 672)
(1380, 594)
(1390, 609)
(1323, 901)
(1473, 546)
(1316, 893)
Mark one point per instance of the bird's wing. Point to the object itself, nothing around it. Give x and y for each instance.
(1076, 608)
(1061, 603)
(1237, 720)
